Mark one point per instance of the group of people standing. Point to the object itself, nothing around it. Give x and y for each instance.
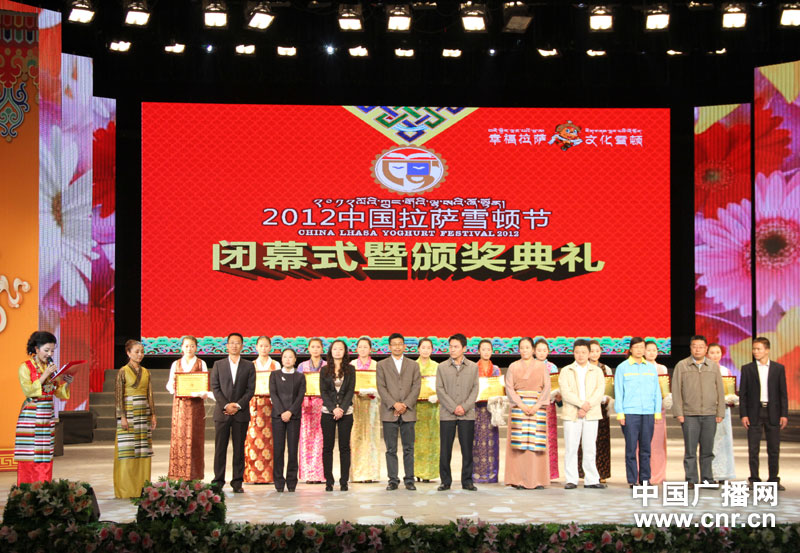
(288, 436)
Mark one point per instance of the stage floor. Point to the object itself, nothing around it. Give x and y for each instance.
(372, 504)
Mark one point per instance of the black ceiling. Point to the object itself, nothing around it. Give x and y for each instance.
(636, 70)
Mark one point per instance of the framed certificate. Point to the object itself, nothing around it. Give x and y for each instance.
(312, 384)
(262, 383)
(187, 383)
(609, 386)
(729, 384)
(490, 386)
(428, 387)
(554, 381)
(663, 381)
(365, 380)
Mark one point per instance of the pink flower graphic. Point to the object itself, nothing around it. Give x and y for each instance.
(723, 251)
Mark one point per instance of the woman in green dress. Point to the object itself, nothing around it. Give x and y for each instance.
(426, 443)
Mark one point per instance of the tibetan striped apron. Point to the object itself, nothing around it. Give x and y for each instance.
(528, 433)
(35, 436)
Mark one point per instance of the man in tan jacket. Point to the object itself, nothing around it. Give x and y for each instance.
(698, 402)
(398, 381)
(582, 388)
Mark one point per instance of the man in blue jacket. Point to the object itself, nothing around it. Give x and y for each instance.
(638, 405)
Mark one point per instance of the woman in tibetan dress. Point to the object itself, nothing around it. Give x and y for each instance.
(658, 445)
(426, 430)
(136, 420)
(724, 466)
(258, 451)
(365, 439)
(541, 350)
(527, 464)
(486, 445)
(310, 448)
(187, 438)
(35, 432)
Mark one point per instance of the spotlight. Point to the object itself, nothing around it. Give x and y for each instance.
(595, 53)
(119, 46)
(399, 17)
(81, 11)
(245, 49)
(330, 50)
(492, 52)
(358, 52)
(674, 53)
(209, 48)
(733, 16)
(451, 53)
(403, 53)
(350, 18)
(473, 17)
(657, 19)
(548, 53)
(215, 14)
(790, 15)
(517, 17)
(600, 19)
(175, 48)
(720, 52)
(260, 17)
(287, 51)
(137, 14)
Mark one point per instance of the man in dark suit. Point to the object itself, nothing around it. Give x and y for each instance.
(233, 381)
(763, 402)
(398, 381)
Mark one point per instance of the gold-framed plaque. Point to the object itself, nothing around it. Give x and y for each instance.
(365, 380)
(729, 385)
(663, 382)
(427, 388)
(312, 384)
(188, 383)
(490, 386)
(262, 383)
(609, 386)
(554, 385)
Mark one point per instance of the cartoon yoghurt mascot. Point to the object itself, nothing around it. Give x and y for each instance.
(566, 136)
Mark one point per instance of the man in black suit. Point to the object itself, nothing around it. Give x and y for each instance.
(233, 381)
(763, 402)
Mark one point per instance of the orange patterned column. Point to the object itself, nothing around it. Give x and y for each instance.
(19, 211)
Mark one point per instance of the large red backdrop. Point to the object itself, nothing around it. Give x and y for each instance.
(213, 175)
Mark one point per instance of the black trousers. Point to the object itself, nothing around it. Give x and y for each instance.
(406, 431)
(447, 435)
(773, 433)
(284, 433)
(329, 425)
(224, 432)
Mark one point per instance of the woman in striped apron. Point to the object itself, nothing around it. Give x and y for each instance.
(528, 390)
(136, 420)
(35, 435)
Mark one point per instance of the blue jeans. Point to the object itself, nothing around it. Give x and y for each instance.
(638, 431)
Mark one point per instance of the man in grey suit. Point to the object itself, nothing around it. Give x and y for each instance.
(233, 381)
(398, 381)
(457, 389)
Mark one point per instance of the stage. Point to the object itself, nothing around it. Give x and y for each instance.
(372, 504)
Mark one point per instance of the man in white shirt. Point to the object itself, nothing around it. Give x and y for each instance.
(763, 403)
(582, 389)
(233, 381)
(398, 380)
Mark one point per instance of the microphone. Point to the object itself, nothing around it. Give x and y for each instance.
(49, 360)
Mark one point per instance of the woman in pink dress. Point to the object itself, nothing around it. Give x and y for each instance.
(528, 389)
(310, 447)
(541, 349)
(658, 446)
